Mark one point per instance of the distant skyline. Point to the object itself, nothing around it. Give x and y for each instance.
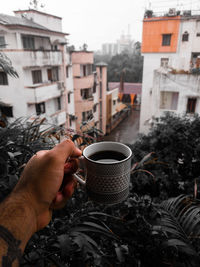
(95, 22)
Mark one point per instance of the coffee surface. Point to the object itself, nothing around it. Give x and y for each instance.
(107, 156)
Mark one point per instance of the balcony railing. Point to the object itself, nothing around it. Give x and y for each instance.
(41, 93)
(33, 58)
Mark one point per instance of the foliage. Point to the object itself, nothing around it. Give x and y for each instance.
(6, 65)
(175, 161)
(126, 66)
(137, 232)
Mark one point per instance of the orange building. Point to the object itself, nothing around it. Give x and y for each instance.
(171, 50)
(160, 34)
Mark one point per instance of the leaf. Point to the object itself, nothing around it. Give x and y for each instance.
(64, 242)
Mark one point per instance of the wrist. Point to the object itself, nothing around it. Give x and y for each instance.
(18, 216)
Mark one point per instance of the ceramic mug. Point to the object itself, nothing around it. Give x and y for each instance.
(107, 182)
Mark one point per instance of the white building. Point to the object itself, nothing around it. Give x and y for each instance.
(171, 50)
(35, 44)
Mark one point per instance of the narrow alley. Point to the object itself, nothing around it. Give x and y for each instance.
(126, 132)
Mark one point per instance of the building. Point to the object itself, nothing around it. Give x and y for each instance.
(124, 43)
(89, 90)
(171, 50)
(116, 110)
(35, 43)
(129, 93)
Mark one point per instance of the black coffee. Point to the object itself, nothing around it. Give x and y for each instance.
(107, 156)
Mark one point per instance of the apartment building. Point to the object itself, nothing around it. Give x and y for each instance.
(89, 90)
(36, 45)
(171, 50)
(116, 110)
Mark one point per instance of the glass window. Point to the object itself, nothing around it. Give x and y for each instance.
(28, 42)
(37, 76)
(3, 78)
(166, 39)
(69, 98)
(185, 37)
(40, 108)
(191, 105)
(2, 42)
(58, 103)
(6, 111)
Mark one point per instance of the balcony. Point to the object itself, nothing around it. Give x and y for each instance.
(84, 82)
(33, 58)
(59, 118)
(43, 92)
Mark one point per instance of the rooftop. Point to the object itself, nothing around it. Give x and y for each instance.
(8, 20)
(172, 13)
(129, 88)
(36, 11)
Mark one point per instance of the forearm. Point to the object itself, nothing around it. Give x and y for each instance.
(18, 217)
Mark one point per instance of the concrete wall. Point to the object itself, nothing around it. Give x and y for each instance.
(178, 61)
(49, 21)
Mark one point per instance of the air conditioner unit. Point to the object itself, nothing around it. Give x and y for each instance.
(172, 12)
(60, 85)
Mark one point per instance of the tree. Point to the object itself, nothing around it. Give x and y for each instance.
(175, 161)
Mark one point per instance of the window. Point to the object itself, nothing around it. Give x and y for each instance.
(166, 39)
(28, 42)
(67, 72)
(169, 100)
(37, 76)
(191, 105)
(84, 70)
(58, 99)
(94, 87)
(2, 42)
(87, 115)
(185, 37)
(55, 76)
(40, 108)
(95, 108)
(100, 88)
(86, 93)
(68, 97)
(49, 75)
(70, 122)
(6, 111)
(164, 62)
(3, 78)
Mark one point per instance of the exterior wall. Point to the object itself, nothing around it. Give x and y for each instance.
(177, 83)
(179, 61)
(20, 92)
(51, 22)
(152, 34)
(82, 57)
(79, 58)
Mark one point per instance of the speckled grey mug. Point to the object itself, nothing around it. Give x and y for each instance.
(107, 182)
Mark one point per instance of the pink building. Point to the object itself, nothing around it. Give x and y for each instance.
(89, 89)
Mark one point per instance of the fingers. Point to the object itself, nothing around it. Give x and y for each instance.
(71, 166)
(66, 193)
(66, 149)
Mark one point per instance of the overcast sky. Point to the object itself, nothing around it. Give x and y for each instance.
(100, 21)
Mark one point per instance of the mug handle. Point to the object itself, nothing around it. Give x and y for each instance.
(76, 177)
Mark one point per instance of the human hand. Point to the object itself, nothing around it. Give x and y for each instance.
(43, 184)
